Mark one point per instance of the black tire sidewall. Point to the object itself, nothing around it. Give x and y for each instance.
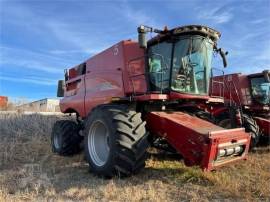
(68, 135)
(56, 131)
(251, 127)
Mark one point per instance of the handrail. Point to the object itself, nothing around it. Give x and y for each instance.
(132, 76)
(221, 91)
(229, 86)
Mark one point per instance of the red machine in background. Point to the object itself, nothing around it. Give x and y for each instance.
(246, 103)
(139, 93)
(3, 102)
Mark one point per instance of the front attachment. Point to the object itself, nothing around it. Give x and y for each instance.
(198, 141)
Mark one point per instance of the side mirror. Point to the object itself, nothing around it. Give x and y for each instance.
(223, 56)
(61, 88)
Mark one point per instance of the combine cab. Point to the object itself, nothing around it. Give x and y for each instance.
(139, 93)
(246, 103)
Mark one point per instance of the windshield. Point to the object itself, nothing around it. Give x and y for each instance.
(190, 62)
(260, 90)
(192, 65)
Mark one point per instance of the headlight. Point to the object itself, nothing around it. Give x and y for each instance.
(230, 151)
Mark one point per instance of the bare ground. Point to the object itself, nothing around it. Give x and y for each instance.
(29, 171)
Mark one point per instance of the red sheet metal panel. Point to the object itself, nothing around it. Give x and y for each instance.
(198, 141)
(148, 97)
(115, 72)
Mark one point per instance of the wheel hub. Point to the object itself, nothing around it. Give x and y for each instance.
(57, 141)
(98, 143)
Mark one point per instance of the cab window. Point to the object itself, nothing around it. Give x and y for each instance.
(159, 66)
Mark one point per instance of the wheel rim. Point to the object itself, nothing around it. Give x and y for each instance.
(57, 141)
(98, 143)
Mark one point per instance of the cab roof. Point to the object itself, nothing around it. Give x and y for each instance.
(188, 29)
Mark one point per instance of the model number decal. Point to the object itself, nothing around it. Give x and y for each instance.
(115, 50)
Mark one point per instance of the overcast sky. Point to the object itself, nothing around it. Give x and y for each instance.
(40, 38)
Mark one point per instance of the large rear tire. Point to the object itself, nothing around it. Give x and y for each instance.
(115, 141)
(65, 138)
(249, 124)
(252, 127)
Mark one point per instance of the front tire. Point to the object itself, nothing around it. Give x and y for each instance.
(115, 141)
(65, 138)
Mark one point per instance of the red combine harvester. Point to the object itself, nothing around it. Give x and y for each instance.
(139, 93)
(246, 103)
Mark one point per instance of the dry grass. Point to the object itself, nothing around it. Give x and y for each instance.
(30, 172)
